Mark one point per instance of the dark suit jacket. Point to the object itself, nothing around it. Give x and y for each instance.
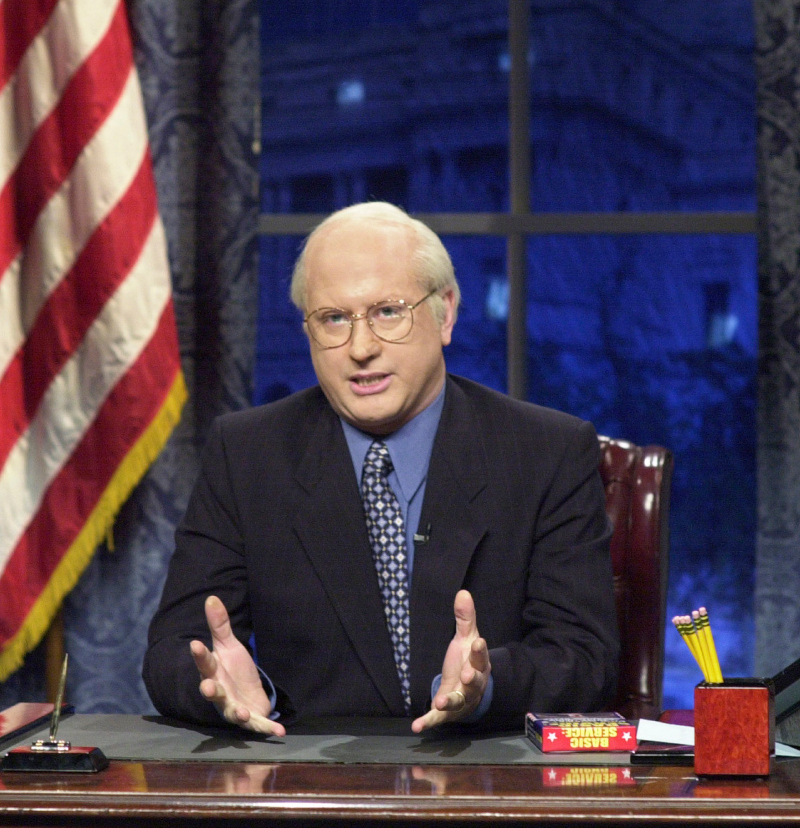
(275, 528)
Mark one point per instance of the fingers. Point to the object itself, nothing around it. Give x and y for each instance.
(465, 672)
(430, 719)
(479, 654)
(203, 659)
(237, 713)
(464, 609)
(461, 701)
(243, 717)
(449, 707)
(445, 707)
(261, 724)
(219, 623)
(478, 661)
(255, 722)
(437, 778)
(453, 702)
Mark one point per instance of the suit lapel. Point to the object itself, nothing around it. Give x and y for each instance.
(454, 508)
(331, 528)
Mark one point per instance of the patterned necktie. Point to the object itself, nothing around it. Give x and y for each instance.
(387, 534)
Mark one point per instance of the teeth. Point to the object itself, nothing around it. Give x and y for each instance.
(368, 380)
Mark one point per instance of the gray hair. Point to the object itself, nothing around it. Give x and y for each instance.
(430, 261)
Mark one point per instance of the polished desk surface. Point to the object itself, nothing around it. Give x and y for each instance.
(171, 793)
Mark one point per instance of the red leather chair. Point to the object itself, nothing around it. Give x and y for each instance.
(637, 483)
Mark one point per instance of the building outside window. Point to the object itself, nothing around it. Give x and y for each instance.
(639, 255)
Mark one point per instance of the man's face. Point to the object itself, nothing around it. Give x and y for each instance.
(376, 386)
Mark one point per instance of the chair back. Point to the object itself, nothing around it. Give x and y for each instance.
(637, 483)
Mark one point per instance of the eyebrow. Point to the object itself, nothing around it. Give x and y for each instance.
(370, 305)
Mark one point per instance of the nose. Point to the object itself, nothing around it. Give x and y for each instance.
(363, 343)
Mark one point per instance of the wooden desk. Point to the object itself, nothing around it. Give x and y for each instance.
(222, 794)
(228, 794)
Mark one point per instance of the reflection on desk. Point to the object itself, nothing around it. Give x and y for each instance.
(168, 793)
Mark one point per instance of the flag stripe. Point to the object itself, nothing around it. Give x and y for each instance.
(89, 472)
(102, 174)
(69, 36)
(90, 377)
(115, 339)
(73, 305)
(23, 26)
(58, 141)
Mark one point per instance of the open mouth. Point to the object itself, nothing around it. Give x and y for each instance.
(369, 384)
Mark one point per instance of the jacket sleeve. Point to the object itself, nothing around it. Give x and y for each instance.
(208, 560)
(567, 656)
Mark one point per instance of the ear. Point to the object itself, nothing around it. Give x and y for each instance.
(446, 330)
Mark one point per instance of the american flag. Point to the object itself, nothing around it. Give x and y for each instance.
(90, 377)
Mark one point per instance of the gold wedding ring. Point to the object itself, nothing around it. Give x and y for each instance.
(463, 698)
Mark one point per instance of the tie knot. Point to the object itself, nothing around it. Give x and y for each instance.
(378, 459)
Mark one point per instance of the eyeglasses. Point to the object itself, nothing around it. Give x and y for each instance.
(390, 320)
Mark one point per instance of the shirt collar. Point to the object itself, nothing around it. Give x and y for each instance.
(409, 447)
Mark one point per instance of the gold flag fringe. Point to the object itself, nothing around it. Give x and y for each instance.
(96, 528)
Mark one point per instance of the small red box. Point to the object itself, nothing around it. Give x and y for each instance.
(586, 776)
(734, 727)
(557, 732)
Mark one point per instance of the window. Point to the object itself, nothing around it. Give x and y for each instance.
(632, 238)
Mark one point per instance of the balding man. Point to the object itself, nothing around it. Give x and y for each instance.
(397, 540)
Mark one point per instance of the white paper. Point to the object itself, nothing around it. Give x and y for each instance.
(672, 734)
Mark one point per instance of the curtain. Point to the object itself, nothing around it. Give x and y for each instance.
(777, 592)
(198, 64)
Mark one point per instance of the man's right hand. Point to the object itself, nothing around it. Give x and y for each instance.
(230, 678)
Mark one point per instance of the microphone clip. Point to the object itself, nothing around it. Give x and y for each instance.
(422, 538)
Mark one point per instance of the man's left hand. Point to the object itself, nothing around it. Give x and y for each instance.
(465, 672)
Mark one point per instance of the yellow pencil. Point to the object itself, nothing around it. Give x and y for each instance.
(702, 641)
(691, 642)
(705, 626)
(691, 634)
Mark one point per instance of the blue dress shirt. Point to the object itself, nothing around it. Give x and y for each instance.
(410, 448)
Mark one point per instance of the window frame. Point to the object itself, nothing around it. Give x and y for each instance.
(519, 221)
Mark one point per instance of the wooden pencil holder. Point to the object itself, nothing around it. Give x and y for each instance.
(734, 727)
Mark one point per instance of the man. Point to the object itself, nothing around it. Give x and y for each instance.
(345, 526)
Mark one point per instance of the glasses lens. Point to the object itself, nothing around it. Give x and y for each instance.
(390, 320)
(329, 326)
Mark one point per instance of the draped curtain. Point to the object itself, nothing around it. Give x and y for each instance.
(777, 592)
(198, 64)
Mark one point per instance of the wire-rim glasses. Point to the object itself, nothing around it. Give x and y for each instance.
(390, 320)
